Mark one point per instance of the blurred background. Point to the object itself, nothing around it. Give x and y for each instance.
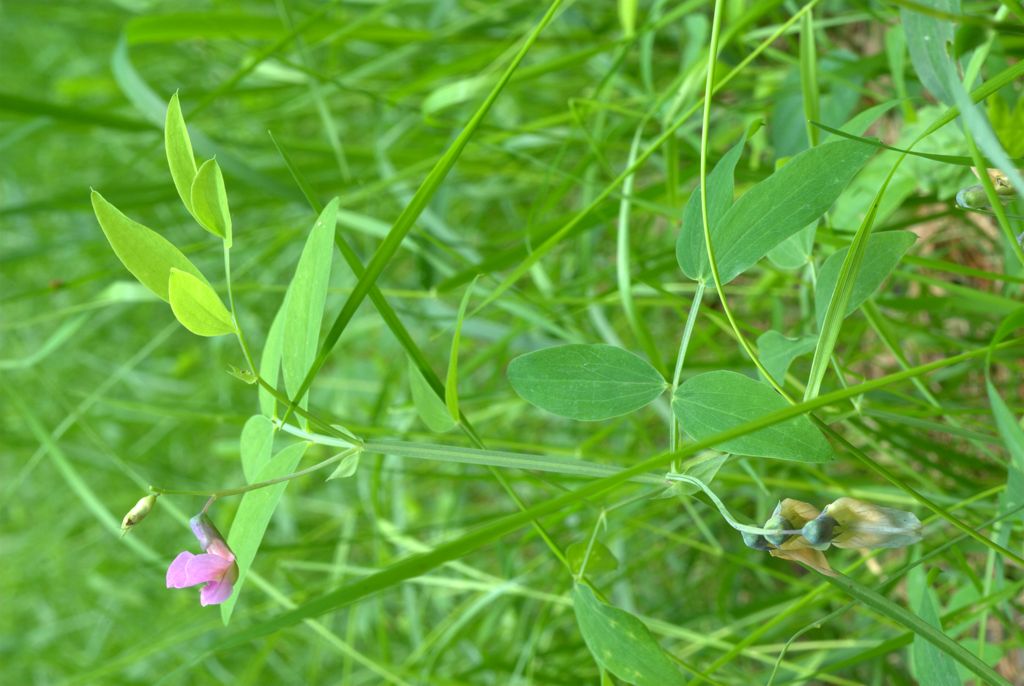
(103, 393)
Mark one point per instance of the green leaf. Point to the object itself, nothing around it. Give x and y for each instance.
(927, 39)
(243, 375)
(429, 406)
(585, 382)
(784, 203)
(862, 121)
(347, 467)
(304, 302)
(988, 652)
(704, 467)
(145, 253)
(256, 444)
(778, 352)
(210, 201)
(691, 252)
(795, 251)
(1009, 428)
(1013, 437)
(253, 516)
(883, 253)
(197, 306)
(270, 363)
(621, 643)
(929, 664)
(710, 403)
(600, 559)
(180, 157)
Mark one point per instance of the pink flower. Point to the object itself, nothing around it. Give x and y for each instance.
(216, 568)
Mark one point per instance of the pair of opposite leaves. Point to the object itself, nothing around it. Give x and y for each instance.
(156, 262)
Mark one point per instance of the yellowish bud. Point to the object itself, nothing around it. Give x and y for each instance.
(137, 513)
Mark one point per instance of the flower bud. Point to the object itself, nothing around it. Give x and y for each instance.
(137, 513)
(210, 539)
(789, 514)
(754, 541)
(865, 525)
(819, 532)
(777, 523)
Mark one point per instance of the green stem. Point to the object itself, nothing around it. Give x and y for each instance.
(320, 439)
(234, 313)
(246, 352)
(726, 515)
(622, 266)
(709, 91)
(225, 492)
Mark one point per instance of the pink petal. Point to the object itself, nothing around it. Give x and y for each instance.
(177, 573)
(206, 567)
(215, 592)
(220, 549)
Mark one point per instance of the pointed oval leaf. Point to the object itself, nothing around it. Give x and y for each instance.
(599, 559)
(621, 643)
(347, 467)
(778, 352)
(197, 306)
(253, 516)
(691, 250)
(256, 445)
(1013, 437)
(429, 406)
(710, 403)
(927, 37)
(178, 147)
(585, 382)
(304, 302)
(883, 253)
(795, 251)
(270, 364)
(243, 375)
(145, 253)
(210, 200)
(784, 203)
(928, 663)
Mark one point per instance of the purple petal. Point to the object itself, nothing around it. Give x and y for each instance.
(206, 567)
(215, 592)
(221, 549)
(177, 573)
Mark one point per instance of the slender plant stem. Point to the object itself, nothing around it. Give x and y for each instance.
(225, 492)
(622, 262)
(234, 313)
(709, 89)
(726, 515)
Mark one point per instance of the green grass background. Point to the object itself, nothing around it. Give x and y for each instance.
(103, 393)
